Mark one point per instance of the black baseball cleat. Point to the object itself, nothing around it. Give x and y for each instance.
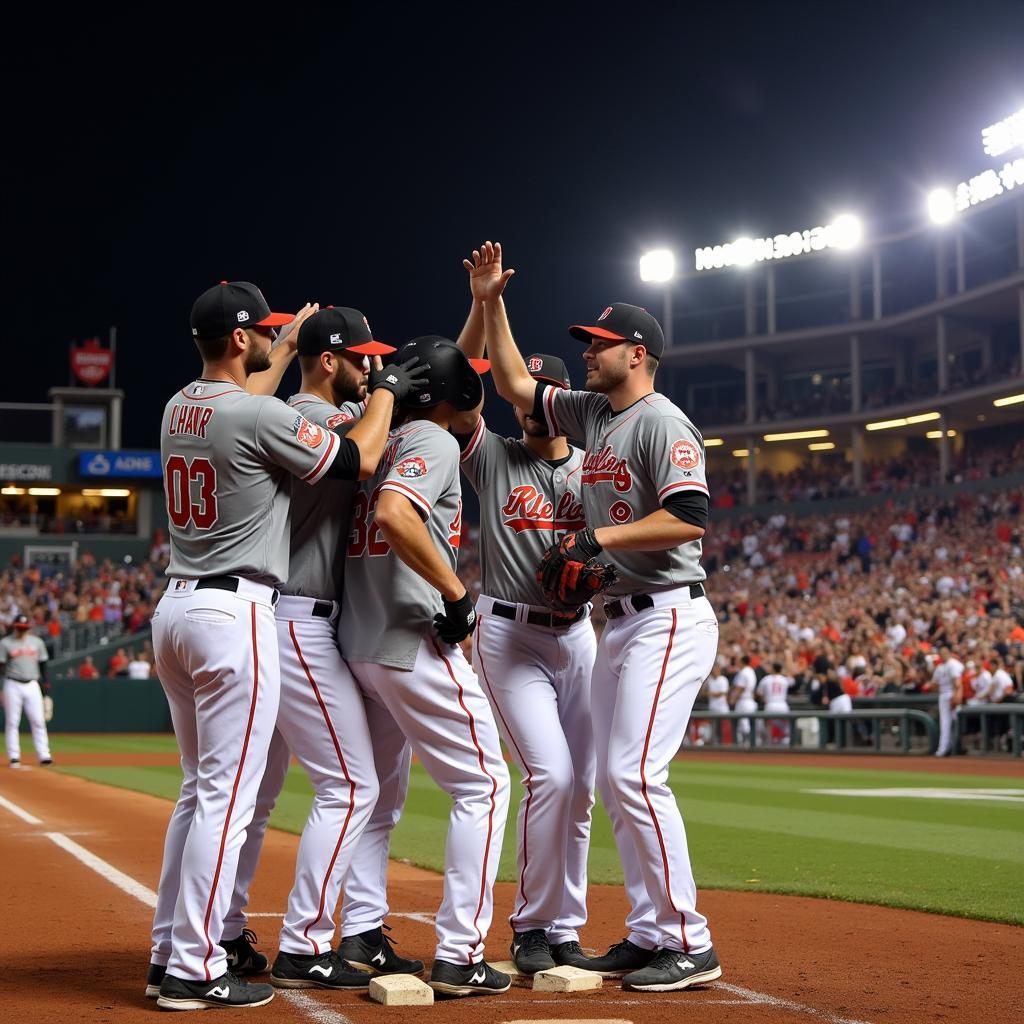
(623, 957)
(15, 763)
(531, 951)
(372, 951)
(46, 763)
(226, 991)
(672, 969)
(154, 978)
(242, 958)
(324, 970)
(479, 979)
(570, 954)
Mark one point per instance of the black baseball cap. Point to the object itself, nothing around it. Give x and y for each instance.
(21, 622)
(336, 329)
(230, 304)
(549, 369)
(623, 322)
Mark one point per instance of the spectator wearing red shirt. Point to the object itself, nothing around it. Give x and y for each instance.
(87, 670)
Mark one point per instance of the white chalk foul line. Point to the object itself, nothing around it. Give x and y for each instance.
(317, 1012)
(20, 812)
(124, 882)
(763, 999)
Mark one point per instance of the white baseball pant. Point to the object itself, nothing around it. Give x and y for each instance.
(216, 657)
(440, 708)
(322, 719)
(538, 682)
(27, 697)
(650, 667)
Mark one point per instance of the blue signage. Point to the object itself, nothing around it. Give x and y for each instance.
(119, 464)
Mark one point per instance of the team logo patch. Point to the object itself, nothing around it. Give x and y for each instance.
(242, 316)
(620, 512)
(338, 418)
(605, 313)
(310, 434)
(685, 455)
(411, 468)
(535, 365)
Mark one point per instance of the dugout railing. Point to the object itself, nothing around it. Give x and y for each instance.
(904, 731)
(990, 728)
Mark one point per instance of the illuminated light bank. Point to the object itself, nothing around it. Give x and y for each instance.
(844, 232)
(1004, 135)
(989, 184)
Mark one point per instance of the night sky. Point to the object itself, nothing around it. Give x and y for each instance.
(354, 156)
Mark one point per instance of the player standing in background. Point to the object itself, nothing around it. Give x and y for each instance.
(646, 502)
(774, 692)
(947, 676)
(717, 689)
(227, 457)
(23, 657)
(535, 664)
(405, 610)
(744, 686)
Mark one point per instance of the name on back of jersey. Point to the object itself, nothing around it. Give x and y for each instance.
(189, 419)
(527, 508)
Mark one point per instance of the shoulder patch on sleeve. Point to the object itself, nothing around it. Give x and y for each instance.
(411, 468)
(309, 434)
(338, 418)
(685, 454)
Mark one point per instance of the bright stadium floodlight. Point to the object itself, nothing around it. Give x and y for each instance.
(847, 231)
(658, 265)
(713, 442)
(1004, 135)
(941, 205)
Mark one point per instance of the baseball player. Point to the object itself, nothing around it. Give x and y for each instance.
(228, 457)
(773, 689)
(23, 657)
(717, 690)
(742, 695)
(535, 664)
(947, 676)
(404, 612)
(322, 717)
(645, 496)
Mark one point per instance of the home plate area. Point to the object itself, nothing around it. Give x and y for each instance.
(565, 995)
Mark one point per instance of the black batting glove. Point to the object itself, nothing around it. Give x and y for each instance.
(582, 545)
(401, 379)
(458, 619)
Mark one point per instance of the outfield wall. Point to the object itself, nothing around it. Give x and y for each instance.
(107, 705)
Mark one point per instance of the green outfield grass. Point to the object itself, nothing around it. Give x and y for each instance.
(751, 827)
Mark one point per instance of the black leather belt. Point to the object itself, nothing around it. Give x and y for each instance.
(641, 602)
(323, 609)
(228, 583)
(550, 619)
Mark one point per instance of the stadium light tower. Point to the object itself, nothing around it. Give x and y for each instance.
(941, 205)
(659, 267)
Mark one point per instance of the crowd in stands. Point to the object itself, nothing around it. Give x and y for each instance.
(868, 600)
(831, 476)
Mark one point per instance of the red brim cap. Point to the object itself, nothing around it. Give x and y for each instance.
(550, 380)
(276, 320)
(584, 333)
(371, 348)
(480, 365)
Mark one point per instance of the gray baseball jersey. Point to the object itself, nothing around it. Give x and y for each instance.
(227, 456)
(387, 608)
(320, 515)
(21, 656)
(526, 504)
(635, 459)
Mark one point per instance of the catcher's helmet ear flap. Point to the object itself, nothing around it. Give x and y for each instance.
(451, 376)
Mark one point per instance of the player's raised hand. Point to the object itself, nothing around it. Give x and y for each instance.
(487, 279)
(289, 335)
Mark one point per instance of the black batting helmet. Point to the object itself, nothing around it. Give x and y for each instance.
(451, 376)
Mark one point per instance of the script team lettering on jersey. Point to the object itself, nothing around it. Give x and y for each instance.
(602, 466)
(528, 508)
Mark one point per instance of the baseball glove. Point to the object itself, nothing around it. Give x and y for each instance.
(570, 574)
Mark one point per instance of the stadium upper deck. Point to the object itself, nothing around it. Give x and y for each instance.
(865, 348)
